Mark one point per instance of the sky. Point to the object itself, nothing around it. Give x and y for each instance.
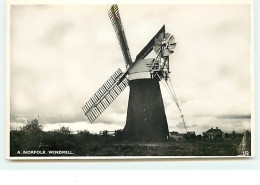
(60, 55)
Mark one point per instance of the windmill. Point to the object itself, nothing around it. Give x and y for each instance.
(146, 119)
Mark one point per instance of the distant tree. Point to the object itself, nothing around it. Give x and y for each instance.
(61, 139)
(32, 127)
(83, 132)
(83, 136)
(64, 130)
(28, 138)
(233, 134)
(199, 137)
(226, 135)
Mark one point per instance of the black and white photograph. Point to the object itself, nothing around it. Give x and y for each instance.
(130, 81)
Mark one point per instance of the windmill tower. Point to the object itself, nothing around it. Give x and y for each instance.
(146, 119)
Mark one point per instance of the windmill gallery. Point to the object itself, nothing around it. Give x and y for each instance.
(146, 119)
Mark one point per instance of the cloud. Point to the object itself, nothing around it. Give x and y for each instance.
(234, 116)
(56, 33)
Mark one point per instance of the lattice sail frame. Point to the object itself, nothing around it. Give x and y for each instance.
(106, 94)
(114, 16)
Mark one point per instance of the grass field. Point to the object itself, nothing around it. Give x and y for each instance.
(170, 148)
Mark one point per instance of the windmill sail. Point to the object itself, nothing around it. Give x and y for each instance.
(120, 33)
(149, 47)
(106, 94)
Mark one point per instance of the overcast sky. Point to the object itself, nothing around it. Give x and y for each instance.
(60, 55)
